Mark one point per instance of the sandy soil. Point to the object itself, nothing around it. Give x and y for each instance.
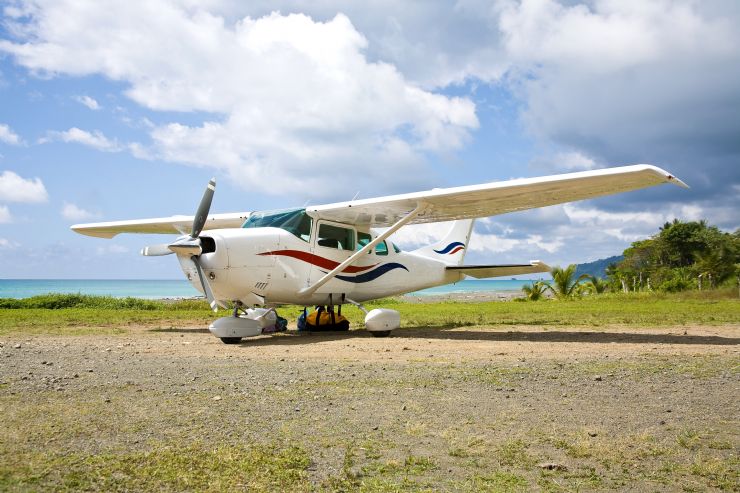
(618, 408)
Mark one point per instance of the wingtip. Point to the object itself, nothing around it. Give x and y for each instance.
(676, 181)
(669, 177)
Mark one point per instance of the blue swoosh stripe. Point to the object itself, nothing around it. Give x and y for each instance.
(450, 247)
(373, 274)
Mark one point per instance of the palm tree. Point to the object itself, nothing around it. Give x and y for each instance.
(596, 285)
(535, 291)
(564, 282)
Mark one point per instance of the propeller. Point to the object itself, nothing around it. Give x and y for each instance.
(190, 245)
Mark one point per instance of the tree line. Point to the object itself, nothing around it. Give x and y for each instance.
(681, 256)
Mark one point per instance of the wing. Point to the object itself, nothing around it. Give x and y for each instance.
(484, 271)
(491, 199)
(160, 225)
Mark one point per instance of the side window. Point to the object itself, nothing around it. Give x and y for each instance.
(395, 248)
(363, 239)
(336, 237)
(381, 248)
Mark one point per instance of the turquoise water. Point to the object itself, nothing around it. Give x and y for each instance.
(155, 289)
(151, 289)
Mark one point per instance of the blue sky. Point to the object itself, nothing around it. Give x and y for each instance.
(123, 110)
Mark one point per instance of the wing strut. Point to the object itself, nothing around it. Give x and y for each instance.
(307, 291)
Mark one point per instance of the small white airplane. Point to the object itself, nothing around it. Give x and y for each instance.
(328, 254)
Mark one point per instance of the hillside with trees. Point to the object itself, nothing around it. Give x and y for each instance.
(597, 268)
(682, 255)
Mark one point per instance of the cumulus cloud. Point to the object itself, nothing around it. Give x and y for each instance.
(8, 136)
(14, 188)
(88, 102)
(571, 161)
(75, 213)
(5, 216)
(633, 81)
(94, 139)
(288, 94)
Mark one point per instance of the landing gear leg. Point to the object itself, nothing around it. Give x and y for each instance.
(238, 307)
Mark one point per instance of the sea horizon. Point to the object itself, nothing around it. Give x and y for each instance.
(181, 288)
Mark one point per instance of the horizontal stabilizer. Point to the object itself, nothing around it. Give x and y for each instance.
(483, 271)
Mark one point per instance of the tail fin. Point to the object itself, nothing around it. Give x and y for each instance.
(451, 249)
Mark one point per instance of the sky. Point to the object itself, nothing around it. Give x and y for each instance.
(124, 110)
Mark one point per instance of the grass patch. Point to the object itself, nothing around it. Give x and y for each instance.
(499, 481)
(513, 453)
(61, 301)
(697, 366)
(718, 473)
(80, 314)
(194, 467)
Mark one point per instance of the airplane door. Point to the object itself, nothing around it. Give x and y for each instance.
(333, 244)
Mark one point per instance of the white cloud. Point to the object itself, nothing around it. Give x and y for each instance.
(89, 102)
(292, 99)
(14, 188)
(8, 136)
(5, 216)
(570, 161)
(75, 213)
(630, 80)
(6, 243)
(94, 139)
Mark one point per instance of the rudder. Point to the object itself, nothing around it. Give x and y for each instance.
(451, 249)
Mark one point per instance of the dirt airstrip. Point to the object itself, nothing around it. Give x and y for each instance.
(464, 409)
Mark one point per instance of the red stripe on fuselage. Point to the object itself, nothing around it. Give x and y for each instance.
(457, 249)
(322, 262)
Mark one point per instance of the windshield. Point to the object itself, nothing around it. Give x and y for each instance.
(294, 221)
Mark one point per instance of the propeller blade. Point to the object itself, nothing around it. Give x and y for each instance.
(206, 286)
(156, 250)
(205, 206)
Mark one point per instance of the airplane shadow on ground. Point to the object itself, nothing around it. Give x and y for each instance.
(292, 338)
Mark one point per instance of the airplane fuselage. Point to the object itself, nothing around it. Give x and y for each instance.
(270, 265)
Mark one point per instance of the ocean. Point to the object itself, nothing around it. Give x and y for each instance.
(160, 289)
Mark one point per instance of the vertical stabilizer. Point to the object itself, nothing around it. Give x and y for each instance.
(451, 249)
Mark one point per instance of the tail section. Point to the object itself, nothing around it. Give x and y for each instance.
(451, 249)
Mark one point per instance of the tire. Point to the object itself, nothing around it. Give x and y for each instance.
(231, 340)
(380, 333)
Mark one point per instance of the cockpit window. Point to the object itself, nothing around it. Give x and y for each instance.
(395, 248)
(294, 221)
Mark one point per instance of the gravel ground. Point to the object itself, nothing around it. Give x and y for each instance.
(473, 408)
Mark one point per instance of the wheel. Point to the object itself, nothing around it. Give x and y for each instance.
(231, 340)
(380, 333)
